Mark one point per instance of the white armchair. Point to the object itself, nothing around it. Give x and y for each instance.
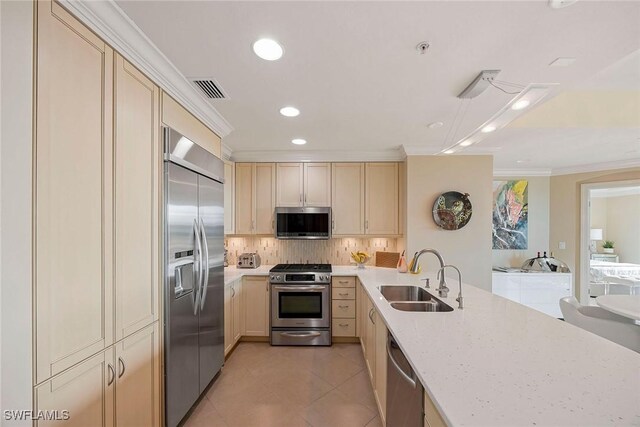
(599, 321)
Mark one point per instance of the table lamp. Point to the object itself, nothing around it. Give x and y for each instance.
(595, 235)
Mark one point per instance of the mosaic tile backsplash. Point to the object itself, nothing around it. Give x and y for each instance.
(332, 251)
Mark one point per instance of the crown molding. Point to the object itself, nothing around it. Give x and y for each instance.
(521, 172)
(597, 167)
(226, 152)
(318, 156)
(110, 22)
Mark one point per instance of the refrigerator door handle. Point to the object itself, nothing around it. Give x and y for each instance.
(198, 269)
(205, 281)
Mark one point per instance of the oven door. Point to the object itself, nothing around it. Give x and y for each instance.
(300, 306)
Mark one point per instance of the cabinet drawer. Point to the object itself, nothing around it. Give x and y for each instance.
(343, 309)
(343, 282)
(343, 327)
(344, 293)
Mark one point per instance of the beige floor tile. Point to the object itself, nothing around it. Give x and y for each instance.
(376, 422)
(359, 388)
(265, 386)
(335, 410)
(335, 369)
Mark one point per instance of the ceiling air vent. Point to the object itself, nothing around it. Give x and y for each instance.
(209, 88)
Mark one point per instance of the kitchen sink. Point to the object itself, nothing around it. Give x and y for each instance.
(413, 298)
(405, 293)
(428, 306)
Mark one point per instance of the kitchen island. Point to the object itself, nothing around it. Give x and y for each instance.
(497, 362)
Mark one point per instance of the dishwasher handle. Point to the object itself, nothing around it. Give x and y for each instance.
(411, 379)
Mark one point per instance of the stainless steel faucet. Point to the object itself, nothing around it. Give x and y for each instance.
(442, 287)
(441, 273)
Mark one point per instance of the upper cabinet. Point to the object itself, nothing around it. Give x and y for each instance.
(73, 193)
(229, 200)
(255, 198)
(177, 117)
(137, 165)
(303, 184)
(347, 198)
(381, 199)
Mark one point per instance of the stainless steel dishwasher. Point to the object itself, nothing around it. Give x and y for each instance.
(404, 390)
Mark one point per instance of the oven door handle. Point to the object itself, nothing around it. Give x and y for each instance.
(300, 334)
(300, 288)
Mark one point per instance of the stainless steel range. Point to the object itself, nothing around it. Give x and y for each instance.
(300, 304)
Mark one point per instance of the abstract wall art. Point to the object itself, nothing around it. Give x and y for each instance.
(510, 214)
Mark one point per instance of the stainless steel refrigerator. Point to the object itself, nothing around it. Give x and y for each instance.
(194, 272)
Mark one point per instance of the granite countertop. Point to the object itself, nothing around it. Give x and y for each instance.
(499, 363)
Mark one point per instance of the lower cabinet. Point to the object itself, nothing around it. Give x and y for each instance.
(233, 315)
(432, 417)
(256, 299)
(119, 386)
(373, 336)
(343, 307)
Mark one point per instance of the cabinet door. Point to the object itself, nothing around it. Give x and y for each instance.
(256, 306)
(317, 184)
(381, 199)
(370, 343)
(245, 205)
(381, 365)
(228, 318)
(86, 391)
(229, 199)
(265, 197)
(347, 198)
(136, 205)
(238, 313)
(73, 206)
(289, 180)
(138, 379)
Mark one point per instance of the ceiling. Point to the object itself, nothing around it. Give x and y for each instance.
(362, 87)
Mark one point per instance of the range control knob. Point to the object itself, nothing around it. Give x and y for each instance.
(278, 277)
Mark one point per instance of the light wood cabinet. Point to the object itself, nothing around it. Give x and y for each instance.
(255, 198)
(343, 307)
(380, 386)
(73, 195)
(347, 198)
(303, 184)
(255, 293)
(136, 199)
(138, 372)
(86, 391)
(432, 417)
(233, 315)
(373, 336)
(177, 117)
(229, 199)
(381, 199)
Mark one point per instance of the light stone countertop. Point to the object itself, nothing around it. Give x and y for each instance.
(499, 363)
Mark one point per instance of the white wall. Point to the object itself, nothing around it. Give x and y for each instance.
(623, 226)
(468, 248)
(538, 188)
(16, 51)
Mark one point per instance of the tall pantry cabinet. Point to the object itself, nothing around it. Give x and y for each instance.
(97, 229)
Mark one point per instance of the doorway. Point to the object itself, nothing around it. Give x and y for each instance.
(610, 239)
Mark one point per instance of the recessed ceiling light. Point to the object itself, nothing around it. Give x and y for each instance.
(289, 111)
(466, 143)
(523, 161)
(435, 125)
(449, 151)
(299, 141)
(488, 128)
(523, 103)
(268, 49)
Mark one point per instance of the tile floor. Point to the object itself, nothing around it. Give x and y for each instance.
(267, 386)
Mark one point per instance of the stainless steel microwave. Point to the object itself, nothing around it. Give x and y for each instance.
(303, 223)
